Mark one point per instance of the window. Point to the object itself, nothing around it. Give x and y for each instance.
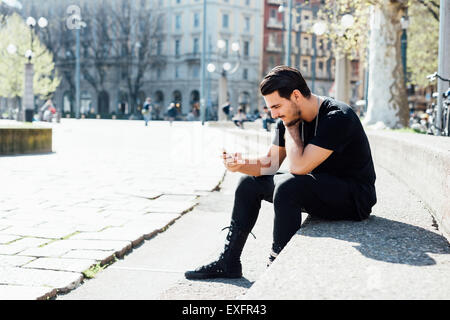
(273, 13)
(305, 42)
(177, 72)
(159, 47)
(196, 20)
(246, 48)
(225, 21)
(247, 3)
(196, 72)
(320, 66)
(245, 74)
(158, 73)
(305, 66)
(177, 47)
(178, 22)
(321, 46)
(196, 45)
(247, 23)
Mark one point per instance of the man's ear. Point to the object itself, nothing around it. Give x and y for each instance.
(297, 95)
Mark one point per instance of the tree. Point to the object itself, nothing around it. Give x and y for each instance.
(135, 35)
(14, 33)
(423, 41)
(387, 98)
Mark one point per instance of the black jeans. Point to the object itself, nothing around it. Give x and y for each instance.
(320, 195)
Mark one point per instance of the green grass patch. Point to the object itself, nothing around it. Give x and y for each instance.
(408, 130)
(92, 271)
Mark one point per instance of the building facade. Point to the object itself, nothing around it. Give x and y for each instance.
(111, 83)
(312, 54)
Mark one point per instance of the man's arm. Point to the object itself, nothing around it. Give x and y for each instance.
(303, 160)
(265, 165)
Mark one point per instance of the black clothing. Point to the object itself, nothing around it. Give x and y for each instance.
(339, 129)
(226, 109)
(229, 263)
(320, 195)
(172, 112)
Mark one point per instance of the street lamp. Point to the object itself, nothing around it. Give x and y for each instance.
(342, 81)
(226, 69)
(281, 9)
(28, 96)
(319, 28)
(77, 25)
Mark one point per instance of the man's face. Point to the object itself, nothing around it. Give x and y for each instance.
(288, 110)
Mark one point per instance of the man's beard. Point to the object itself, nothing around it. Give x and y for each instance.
(296, 120)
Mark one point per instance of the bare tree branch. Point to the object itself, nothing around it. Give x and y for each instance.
(427, 5)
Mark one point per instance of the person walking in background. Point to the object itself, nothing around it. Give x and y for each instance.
(266, 118)
(147, 110)
(227, 109)
(239, 118)
(47, 111)
(172, 112)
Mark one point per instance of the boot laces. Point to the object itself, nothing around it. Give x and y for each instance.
(228, 238)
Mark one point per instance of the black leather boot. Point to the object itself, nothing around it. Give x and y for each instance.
(229, 263)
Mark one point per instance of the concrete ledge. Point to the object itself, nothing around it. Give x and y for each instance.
(395, 254)
(18, 140)
(423, 163)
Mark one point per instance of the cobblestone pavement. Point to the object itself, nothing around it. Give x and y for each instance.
(107, 186)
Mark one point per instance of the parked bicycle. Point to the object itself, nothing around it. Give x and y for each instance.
(433, 128)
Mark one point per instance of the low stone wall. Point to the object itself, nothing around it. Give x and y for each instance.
(25, 140)
(423, 163)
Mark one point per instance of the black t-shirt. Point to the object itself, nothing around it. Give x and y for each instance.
(339, 129)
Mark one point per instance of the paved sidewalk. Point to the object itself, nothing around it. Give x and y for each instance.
(108, 186)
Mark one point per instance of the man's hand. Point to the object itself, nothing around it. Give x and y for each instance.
(293, 141)
(233, 162)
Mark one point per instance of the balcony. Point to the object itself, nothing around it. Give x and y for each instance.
(275, 2)
(274, 23)
(192, 58)
(271, 47)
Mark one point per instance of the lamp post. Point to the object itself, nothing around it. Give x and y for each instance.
(319, 28)
(342, 81)
(203, 64)
(28, 95)
(226, 70)
(77, 23)
(287, 50)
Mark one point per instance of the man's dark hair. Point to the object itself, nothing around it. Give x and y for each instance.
(285, 80)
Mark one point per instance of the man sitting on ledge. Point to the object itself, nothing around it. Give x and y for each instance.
(331, 173)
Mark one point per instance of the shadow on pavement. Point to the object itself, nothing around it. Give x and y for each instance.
(382, 239)
(241, 282)
(27, 154)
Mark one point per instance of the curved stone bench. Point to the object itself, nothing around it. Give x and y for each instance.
(24, 140)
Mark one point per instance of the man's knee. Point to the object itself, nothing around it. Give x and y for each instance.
(291, 188)
(246, 185)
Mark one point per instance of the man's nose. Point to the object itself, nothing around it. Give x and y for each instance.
(274, 114)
